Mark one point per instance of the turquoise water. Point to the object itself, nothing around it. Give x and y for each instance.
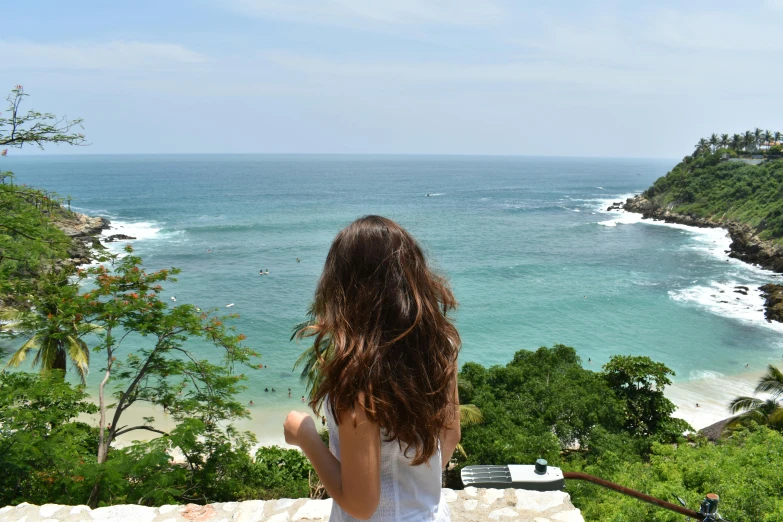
(531, 253)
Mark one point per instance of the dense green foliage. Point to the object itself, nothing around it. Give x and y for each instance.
(42, 449)
(29, 242)
(709, 187)
(544, 404)
(743, 469)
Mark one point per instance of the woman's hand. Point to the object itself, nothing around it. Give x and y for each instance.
(298, 426)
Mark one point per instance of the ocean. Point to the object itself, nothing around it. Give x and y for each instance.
(531, 252)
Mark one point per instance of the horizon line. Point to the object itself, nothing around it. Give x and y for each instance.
(452, 154)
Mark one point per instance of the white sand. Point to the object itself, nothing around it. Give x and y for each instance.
(712, 393)
(266, 423)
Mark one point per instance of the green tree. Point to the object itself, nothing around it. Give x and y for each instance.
(126, 303)
(725, 141)
(767, 137)
(749, 141)
(42, 449)
(736, 142)
(34, 127)
(714, 141)
(701, 147)
(758, 138)
(539, 404)
(57, 331)
(639, 382)
(767, 411)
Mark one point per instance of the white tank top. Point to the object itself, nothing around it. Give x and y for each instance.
(410, 493)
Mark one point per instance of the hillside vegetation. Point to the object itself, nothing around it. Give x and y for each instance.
(710, 187)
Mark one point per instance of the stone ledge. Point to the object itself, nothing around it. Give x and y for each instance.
(469, 504)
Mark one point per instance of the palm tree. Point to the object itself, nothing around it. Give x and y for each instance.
(764, 411)
(724, 141)
(702, 146)
(758, 137)
(748, 141)
(469, 414)
(714, 140)
(53, 328)
(736, 142)
(777, 137)
(767, 138)
(54, 341)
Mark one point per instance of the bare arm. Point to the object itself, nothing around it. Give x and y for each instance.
(354, 482)
(450, 437)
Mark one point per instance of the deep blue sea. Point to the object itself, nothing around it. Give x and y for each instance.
(532, 254)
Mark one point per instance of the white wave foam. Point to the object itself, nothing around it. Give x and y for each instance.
(141, 230)
(713, 242)
(703, 375)
(621, 218)
(722, 299)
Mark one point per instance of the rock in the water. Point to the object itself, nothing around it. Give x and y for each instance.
(117, 237)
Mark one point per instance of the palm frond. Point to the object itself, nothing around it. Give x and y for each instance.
(11, 316)
(771, 382)
(79, 354)
(741, 404)
(461, 450)
(47, 353)
(21, 354)
(470, 414)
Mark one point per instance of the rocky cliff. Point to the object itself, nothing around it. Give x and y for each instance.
(83, 231)
(745, 243)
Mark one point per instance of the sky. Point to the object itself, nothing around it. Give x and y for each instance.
(563, 78)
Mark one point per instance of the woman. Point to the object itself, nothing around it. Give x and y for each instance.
(386, 354)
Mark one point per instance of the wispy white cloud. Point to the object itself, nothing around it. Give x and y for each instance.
(116, 55)
(448, 12)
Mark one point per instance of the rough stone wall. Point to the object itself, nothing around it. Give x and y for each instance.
(470, 504)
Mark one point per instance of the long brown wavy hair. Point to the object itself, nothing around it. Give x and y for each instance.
(381, 329)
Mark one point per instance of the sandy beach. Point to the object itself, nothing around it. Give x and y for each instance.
(712, 393)
(266, 423)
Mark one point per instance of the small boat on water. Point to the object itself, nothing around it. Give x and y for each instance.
(229, 305)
